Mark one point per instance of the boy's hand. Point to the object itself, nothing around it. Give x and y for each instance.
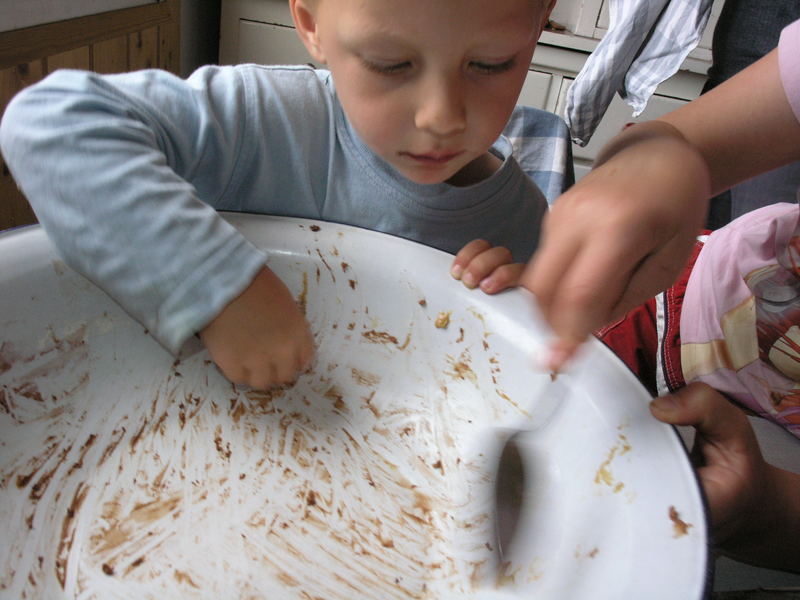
(492, 268)
(754, 506)
(261, 338)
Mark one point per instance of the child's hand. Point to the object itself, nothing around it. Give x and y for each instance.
(729, 461)
(261, 338)
(754, 506)
(620, 235)
(492, 268)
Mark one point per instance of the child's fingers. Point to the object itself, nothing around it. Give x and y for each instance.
(295, 357)
(715, 418)
(484, 264)
(465, 256)
(725, 432)
(731, 467)
(261, 338)
(262, 377)
(576, 282)
(502, 278)
(280, 369)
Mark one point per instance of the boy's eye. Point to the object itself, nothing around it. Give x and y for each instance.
(493, 68)
(387, 68)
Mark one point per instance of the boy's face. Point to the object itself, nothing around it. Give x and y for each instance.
(427, 84)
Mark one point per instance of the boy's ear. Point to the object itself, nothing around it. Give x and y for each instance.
(303, 14)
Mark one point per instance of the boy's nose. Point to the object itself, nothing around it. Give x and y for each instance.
(440, 109)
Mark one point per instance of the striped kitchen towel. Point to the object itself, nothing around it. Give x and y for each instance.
(646, 42)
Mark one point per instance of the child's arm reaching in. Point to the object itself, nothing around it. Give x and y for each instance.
(622, 233)
(755, 507)
(479, 264)
(125, 173)
(261, 338)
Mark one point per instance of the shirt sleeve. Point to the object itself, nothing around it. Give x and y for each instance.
(118, 171)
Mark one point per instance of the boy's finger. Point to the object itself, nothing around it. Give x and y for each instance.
(484, 264)
(502, 278)
(465, 256)
(261, 377)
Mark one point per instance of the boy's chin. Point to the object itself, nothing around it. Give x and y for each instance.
(456, 173)
(428, 176)
(428, 180)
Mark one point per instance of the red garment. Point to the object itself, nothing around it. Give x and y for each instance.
(648, 339)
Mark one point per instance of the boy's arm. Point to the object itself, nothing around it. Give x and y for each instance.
(622, 233)
(122, 172)
(106, 172)
(755, 507)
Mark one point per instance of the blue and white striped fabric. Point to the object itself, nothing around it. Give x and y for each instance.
(541, 145)
(646, 42)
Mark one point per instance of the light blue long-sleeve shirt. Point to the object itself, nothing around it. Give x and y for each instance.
(126, 173)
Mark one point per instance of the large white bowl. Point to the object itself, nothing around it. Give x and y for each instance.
(127, 474)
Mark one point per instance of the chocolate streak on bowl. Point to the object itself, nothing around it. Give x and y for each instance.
(350, 484)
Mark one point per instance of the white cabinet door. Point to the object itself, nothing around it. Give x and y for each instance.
(265, 43)
(537, 90)
(256, 30)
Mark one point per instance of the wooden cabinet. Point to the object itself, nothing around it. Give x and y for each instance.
(261, 31)
(113, 41)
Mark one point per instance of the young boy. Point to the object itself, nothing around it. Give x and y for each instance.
(125, 171)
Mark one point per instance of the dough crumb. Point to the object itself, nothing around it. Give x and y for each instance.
(442, 319)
